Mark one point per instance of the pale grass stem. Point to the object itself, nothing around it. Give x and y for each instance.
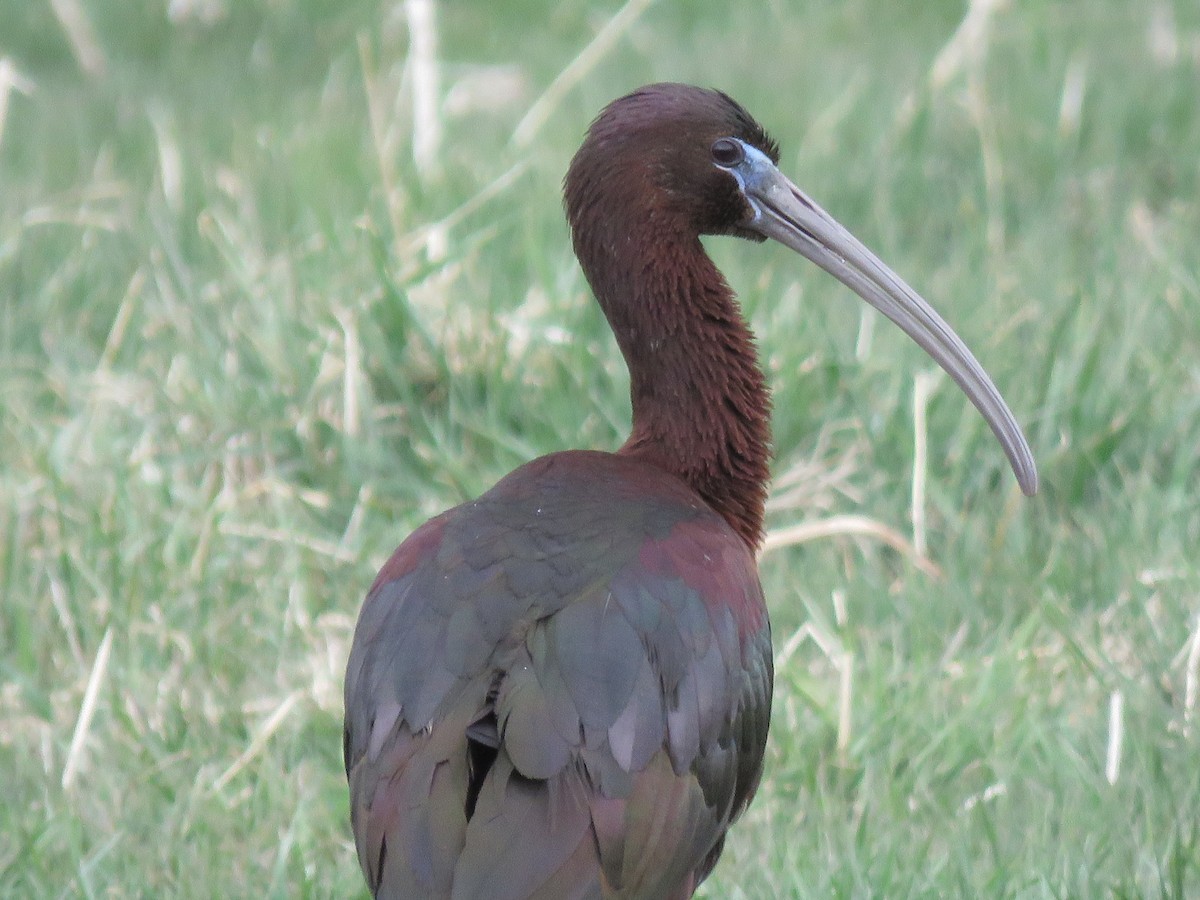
(606, 38)
(848, 526)
(352, 375)
(845, 666)
(358, 515)
(1070, 106)
(87, 711)
(833, 648)
(966, 53)
(991, 792)
(378, 121)
(120, 325)
(259, 741)
(967, 45)
(170, 160)
(922, 390)
(81, 36)
(841, 614)
(1191, 682)
(288, 538)
(866, 334)
(423, 62)
(433, 235)
(1116, 736)
(989, 152)
(806, 632)
(11, 80)
(58, 599)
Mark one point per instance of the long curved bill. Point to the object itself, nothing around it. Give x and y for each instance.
(786, 214)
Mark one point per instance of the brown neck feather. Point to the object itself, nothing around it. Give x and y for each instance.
(701, 408)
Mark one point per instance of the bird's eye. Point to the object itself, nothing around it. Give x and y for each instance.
(727, 152)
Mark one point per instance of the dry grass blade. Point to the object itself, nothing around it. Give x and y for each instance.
(1116, 736)
(968, 45)
(845, 664)
(427, 121)
(1191, 678)
(848, 526)
(259, 741)
(10, 80)
(377, 116)
(922, 389)
(1070, 107)
(532, 122)
(427, 235)
(81, 35)
(87, 710)
(288, 538)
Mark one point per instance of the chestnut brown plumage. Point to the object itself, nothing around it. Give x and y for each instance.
(562, 688)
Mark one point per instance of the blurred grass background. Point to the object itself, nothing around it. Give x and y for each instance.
(248, 342)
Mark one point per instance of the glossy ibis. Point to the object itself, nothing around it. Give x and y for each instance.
(561, 689)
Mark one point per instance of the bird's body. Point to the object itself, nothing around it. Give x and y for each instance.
(590, 643)
(562, 688)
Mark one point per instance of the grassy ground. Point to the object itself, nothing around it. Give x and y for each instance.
(248, 343)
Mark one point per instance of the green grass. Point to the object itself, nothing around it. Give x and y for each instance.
(237, 371)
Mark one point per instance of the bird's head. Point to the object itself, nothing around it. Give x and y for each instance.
(672, 161)
(663, 152)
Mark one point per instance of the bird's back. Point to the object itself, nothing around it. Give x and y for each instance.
(558, 690)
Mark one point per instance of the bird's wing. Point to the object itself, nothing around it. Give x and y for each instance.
(557, 693)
